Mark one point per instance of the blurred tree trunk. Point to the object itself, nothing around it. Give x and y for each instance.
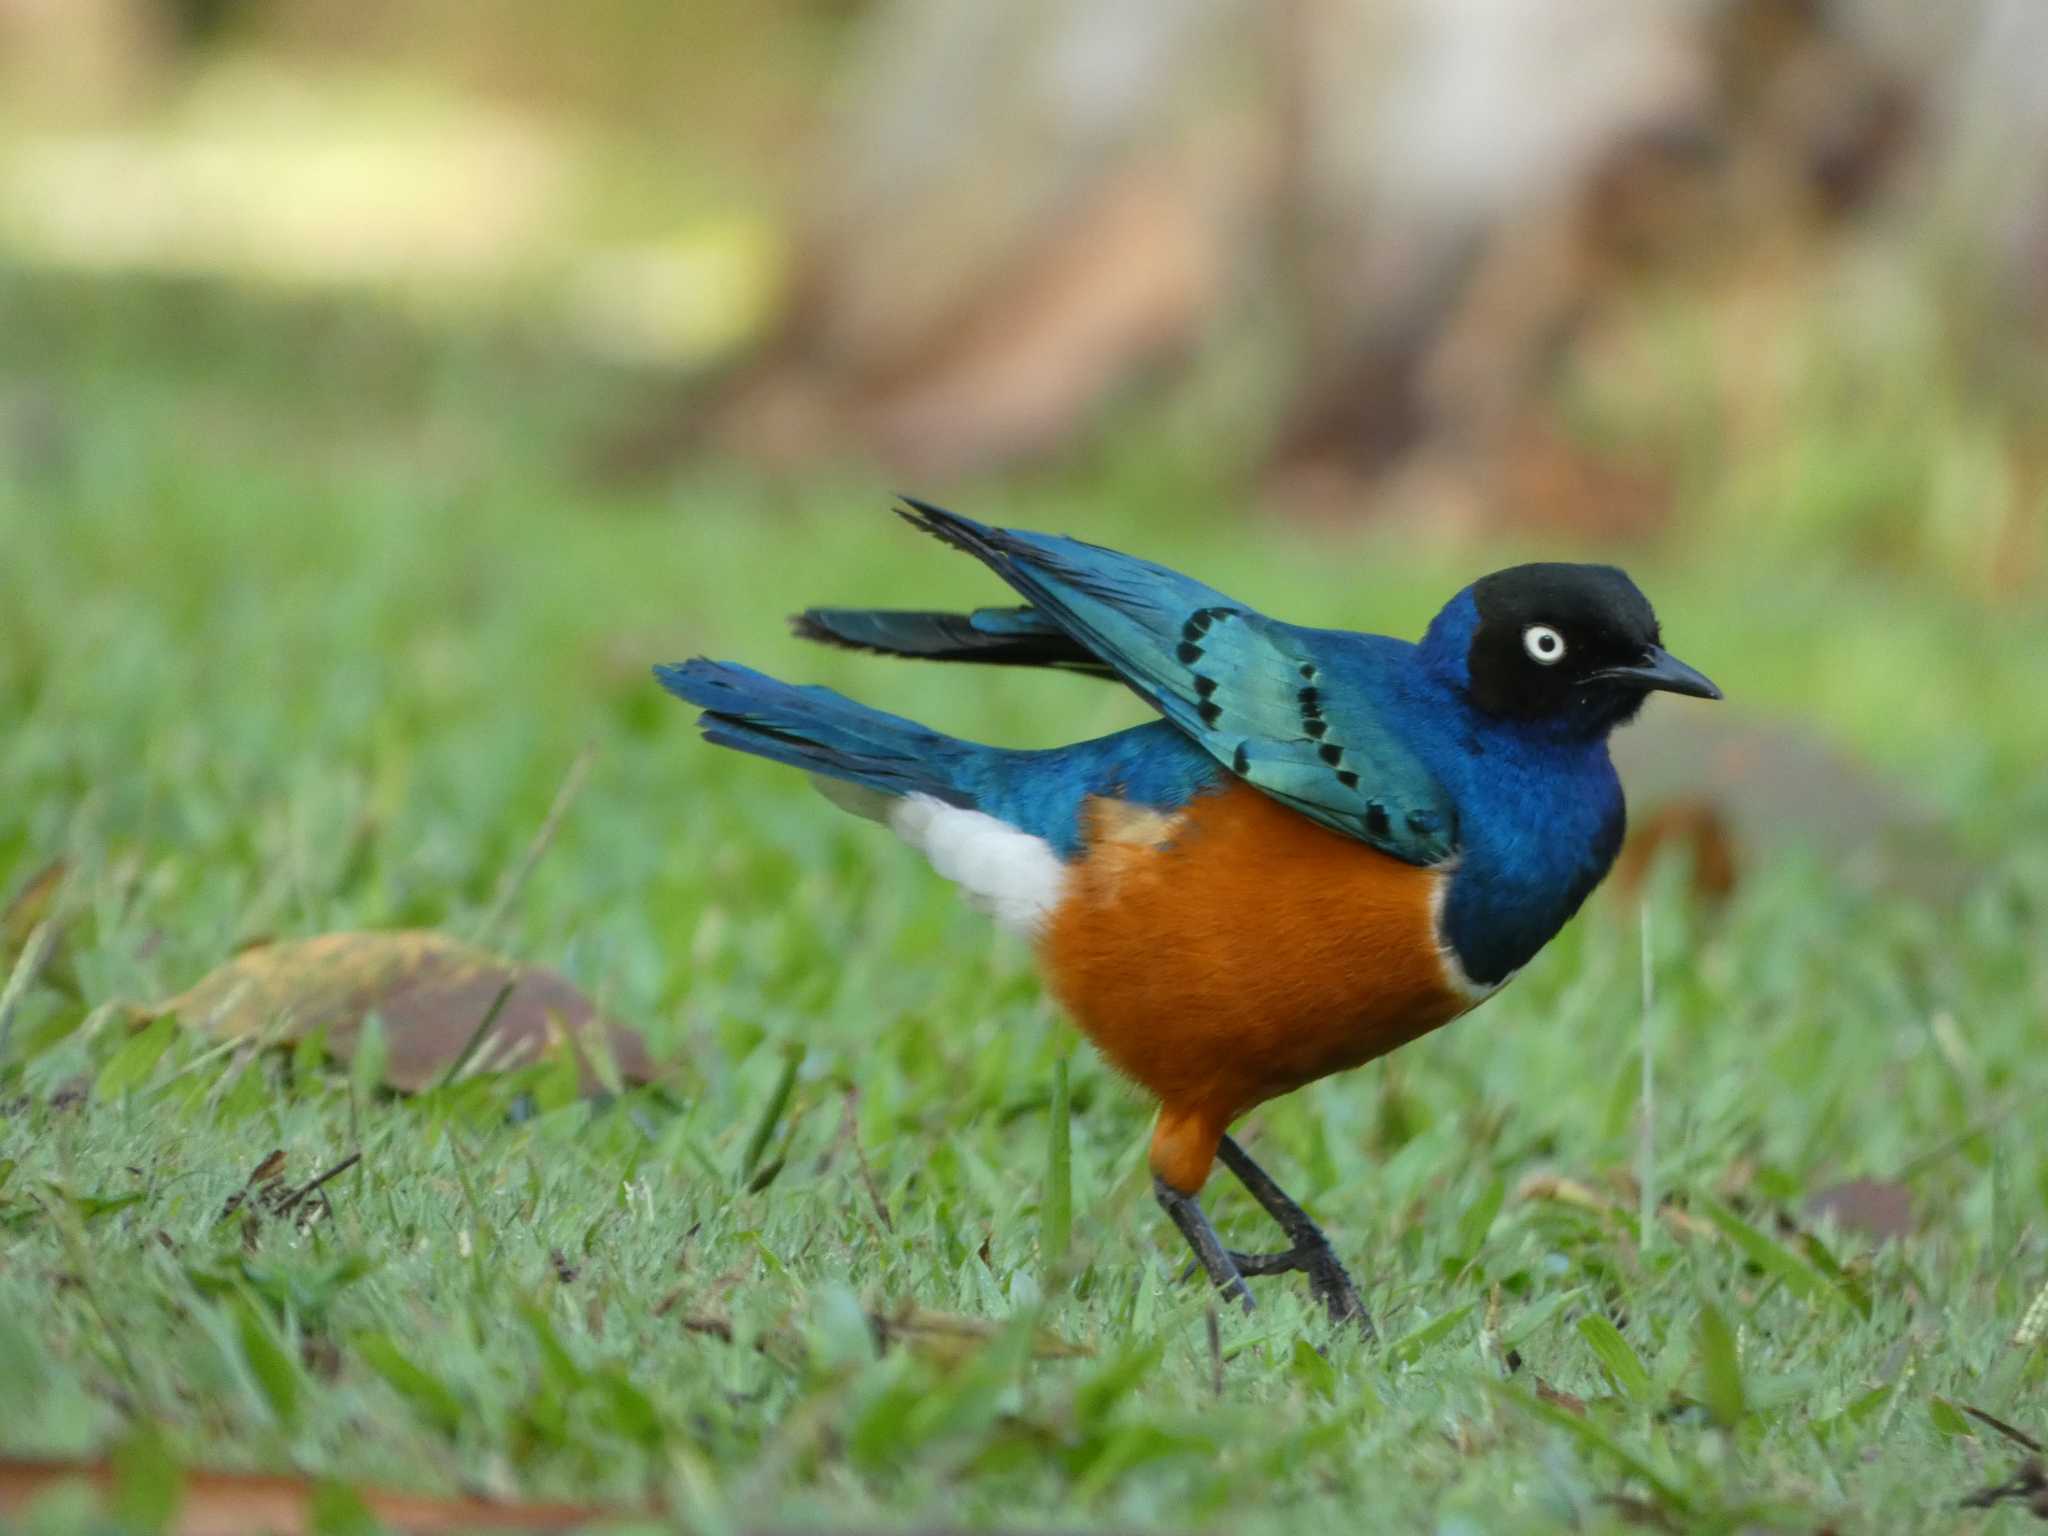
(1016, 209)
(1419, 217)
(1021, 210)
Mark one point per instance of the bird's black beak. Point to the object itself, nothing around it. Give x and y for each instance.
(1661, 672)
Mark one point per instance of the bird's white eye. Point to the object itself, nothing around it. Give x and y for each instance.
(1544, 645)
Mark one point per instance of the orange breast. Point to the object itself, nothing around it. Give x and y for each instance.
(1234, 950)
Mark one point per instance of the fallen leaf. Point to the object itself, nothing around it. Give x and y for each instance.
(263, 1181)
(234, 1503)
(1566, 1191)
(1877, 1208)
(951, 1336)
(431, 992)
(1683, 1222)
(704, 1323)
(1569, 1191)
(947, 1337)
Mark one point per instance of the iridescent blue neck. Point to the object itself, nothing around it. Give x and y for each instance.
(1540, 810)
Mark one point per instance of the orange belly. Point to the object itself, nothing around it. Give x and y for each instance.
(1234, 950)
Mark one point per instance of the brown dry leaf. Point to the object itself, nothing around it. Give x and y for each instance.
(1554, 1186)
(945, 1337)
(1569, 1191)
(1698, 828)
(950, 1336)
(264, 1180)
(1684, 1224)
(240, 1503)
(432, 992)
(1877, 1208)
(29, 905)
(1570, 1402)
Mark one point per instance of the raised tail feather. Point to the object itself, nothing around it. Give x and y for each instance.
(1015, 637)
(821, 731)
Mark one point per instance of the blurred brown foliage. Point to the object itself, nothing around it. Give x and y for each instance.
(1438, 230)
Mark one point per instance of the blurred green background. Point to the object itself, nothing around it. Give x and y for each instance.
(383, 387)
(1747, 295)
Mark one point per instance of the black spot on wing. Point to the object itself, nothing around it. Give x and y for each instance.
(1347, 778)
(1330, 753)
(1312, 722)
(1376, 818)
(1240, 762)
(1190, 650)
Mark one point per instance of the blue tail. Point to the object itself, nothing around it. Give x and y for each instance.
(821, 731)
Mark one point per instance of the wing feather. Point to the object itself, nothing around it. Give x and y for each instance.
(1249, 689)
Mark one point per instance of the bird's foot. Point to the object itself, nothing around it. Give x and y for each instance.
(1331, 1284)
(1328, 1280)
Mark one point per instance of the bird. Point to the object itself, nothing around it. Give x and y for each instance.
(1326, 844)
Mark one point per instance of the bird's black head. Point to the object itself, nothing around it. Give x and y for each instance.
(1576, 645)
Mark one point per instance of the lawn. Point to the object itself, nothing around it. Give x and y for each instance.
(306, 614)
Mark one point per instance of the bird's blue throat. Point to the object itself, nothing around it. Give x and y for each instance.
(1540, 809)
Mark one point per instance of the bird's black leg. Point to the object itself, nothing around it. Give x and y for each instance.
(1210, 1253)
(1311, 1253)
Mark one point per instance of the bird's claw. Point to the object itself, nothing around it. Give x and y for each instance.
(1328, 1281)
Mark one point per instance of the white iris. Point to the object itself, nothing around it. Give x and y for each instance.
(1544, 645)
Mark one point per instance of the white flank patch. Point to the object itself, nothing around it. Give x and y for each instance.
(1012, 876)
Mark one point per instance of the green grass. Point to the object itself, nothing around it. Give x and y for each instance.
(303, 619)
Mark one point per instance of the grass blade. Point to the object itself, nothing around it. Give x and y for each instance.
(1720, 1368)
(771, 1115)
(1617, 1357)
(1594, 1438)
(1772, 1257)
(1056, 1234)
